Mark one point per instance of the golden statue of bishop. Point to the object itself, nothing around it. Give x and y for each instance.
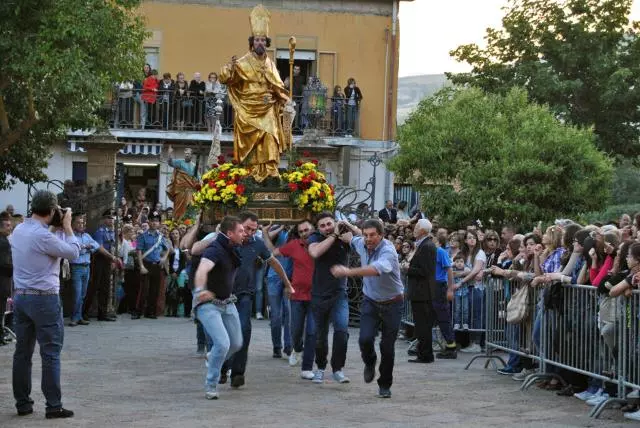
(260, 102)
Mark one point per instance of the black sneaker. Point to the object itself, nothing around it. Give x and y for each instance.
(369, 373)
(25, 412)
(277, 353)
(384, 392)
(447, 354)
(237, 381)
(223, 377)
(59, 413)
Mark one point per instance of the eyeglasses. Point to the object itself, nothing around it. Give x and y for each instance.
(491, 239)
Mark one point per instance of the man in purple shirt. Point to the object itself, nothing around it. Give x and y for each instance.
(36, 253)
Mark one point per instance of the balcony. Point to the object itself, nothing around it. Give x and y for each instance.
(127, 111)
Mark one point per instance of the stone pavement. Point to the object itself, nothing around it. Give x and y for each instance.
(145, 374)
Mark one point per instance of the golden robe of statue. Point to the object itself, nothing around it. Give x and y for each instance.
(257, 95)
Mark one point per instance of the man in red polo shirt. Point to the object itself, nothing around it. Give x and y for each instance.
(303, 264)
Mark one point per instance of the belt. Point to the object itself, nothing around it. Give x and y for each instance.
(398, 298)
(80, 264)
(34, 292)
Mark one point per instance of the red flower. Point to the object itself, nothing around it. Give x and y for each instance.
(312, 175)
(306, 154)
(221, 158)
(230, 182)
(187, 222)
(293, 187)
(214, 165)
(322, 195)
(197, 187)
(298, 163)
(235, 162)
(212, 184)
(240, 189)
(315, 161)
(223, 174)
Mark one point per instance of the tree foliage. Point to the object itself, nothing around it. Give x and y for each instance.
(59, 59)
(578, 56)
(499, 158)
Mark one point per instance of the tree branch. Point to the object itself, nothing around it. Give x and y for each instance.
(10, 137)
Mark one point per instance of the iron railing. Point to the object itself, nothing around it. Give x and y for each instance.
(134, 109)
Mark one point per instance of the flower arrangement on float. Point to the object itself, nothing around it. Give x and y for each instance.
(172, 224)
(225, 183)
(308, 187)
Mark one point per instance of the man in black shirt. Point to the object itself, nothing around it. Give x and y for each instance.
(243, 288)
(213, 298)
(329, 300)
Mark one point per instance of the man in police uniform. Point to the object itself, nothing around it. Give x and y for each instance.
(152, 251)
(105, 237)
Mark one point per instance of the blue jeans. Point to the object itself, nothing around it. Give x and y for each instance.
(386, 318)
(260, 289)
(279, 314)
(461, 306)
(352, 117)
(80, 282)
(223, 325)
(513, 341)
(238, 362)
(37, 318)
(301, 312)
(334, 309)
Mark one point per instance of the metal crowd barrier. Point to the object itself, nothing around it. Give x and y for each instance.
(585, 332)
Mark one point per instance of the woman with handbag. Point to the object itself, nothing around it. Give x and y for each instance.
(175, 264)
(520, 272)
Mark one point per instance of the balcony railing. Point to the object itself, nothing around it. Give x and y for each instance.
(129, 110)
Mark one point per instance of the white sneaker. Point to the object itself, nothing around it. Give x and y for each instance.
(633, 415)
(293, 358)
(307, 374)
(597, 400)
(456, 326)
(584, 395)
(465, 326)
(520, 377)
(634, 394)
(211, 394)
(318, 376)
(259, 316)
(340, 377)
(474, 348)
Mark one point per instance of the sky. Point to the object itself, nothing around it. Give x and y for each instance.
(432, 28)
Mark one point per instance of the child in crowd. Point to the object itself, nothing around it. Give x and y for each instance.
(461, 301)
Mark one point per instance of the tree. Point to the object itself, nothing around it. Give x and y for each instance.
(499, 159)
(578, 56)
(59, 59)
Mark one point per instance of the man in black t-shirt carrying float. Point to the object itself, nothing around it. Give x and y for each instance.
(329, 302)
(213, 299)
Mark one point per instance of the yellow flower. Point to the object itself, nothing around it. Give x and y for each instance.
(216, 198)
(225, 166)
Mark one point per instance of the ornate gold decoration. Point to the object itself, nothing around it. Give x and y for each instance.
(259, 19)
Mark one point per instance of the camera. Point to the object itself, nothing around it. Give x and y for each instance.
(56, 221)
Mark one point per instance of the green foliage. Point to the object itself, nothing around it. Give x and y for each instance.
(59, 59)
(578, 56)
(609, 214)
(508, 159)
(626, 184)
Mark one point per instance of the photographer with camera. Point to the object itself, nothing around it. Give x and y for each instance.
(36, 252)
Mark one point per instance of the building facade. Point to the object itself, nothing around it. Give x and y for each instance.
(336, 40)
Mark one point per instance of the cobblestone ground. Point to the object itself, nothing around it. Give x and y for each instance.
(145, 374)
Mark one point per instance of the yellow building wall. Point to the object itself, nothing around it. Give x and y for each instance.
(202, 38)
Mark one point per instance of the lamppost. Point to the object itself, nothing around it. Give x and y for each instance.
(374, 161)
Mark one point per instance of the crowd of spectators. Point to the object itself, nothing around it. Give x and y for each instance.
(162, 102)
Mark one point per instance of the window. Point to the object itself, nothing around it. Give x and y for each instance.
(79, 172)
(152, 55)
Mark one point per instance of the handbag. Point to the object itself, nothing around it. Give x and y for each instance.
(518, 306)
